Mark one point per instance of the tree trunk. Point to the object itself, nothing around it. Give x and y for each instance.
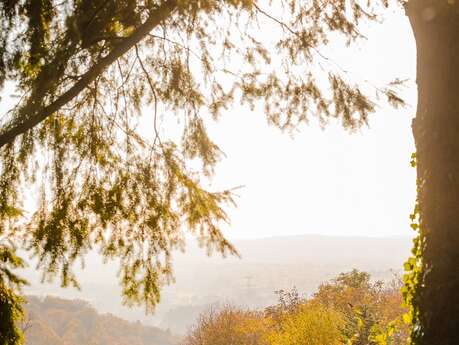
(435, 25)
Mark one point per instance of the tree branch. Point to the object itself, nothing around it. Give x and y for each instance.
(155, 18)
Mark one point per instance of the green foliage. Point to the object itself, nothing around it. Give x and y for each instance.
(73, 136)
(414, 270)
(11, 311)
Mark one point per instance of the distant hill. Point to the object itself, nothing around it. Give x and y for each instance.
(376, 251)
(56, 321)
(266, 265)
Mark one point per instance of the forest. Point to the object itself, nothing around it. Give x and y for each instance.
(250, 282)
(56, 321)
(349, 309)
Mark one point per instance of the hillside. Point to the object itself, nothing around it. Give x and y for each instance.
(271, 264)
(266, 265)
(56, 321)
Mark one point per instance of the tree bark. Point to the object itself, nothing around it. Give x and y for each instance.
(435, 25)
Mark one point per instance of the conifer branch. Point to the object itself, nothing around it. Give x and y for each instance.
(155, 18)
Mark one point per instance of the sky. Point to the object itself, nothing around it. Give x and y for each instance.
(327, 181)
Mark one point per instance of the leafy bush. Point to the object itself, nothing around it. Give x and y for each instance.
(350, 309)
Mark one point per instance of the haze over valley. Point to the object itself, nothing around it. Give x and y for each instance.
(266, 265)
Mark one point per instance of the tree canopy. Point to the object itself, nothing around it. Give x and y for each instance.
(56, 321)
(90, 73)
(347, 310)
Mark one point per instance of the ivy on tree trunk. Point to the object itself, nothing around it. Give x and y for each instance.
(435, 298)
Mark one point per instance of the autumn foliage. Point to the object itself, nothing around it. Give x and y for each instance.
(55, 321)
(351, 309)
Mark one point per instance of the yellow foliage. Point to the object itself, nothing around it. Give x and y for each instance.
(347, 310)
(229, 326)
(312, 324)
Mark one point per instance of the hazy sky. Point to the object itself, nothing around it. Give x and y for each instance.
(328, 181)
